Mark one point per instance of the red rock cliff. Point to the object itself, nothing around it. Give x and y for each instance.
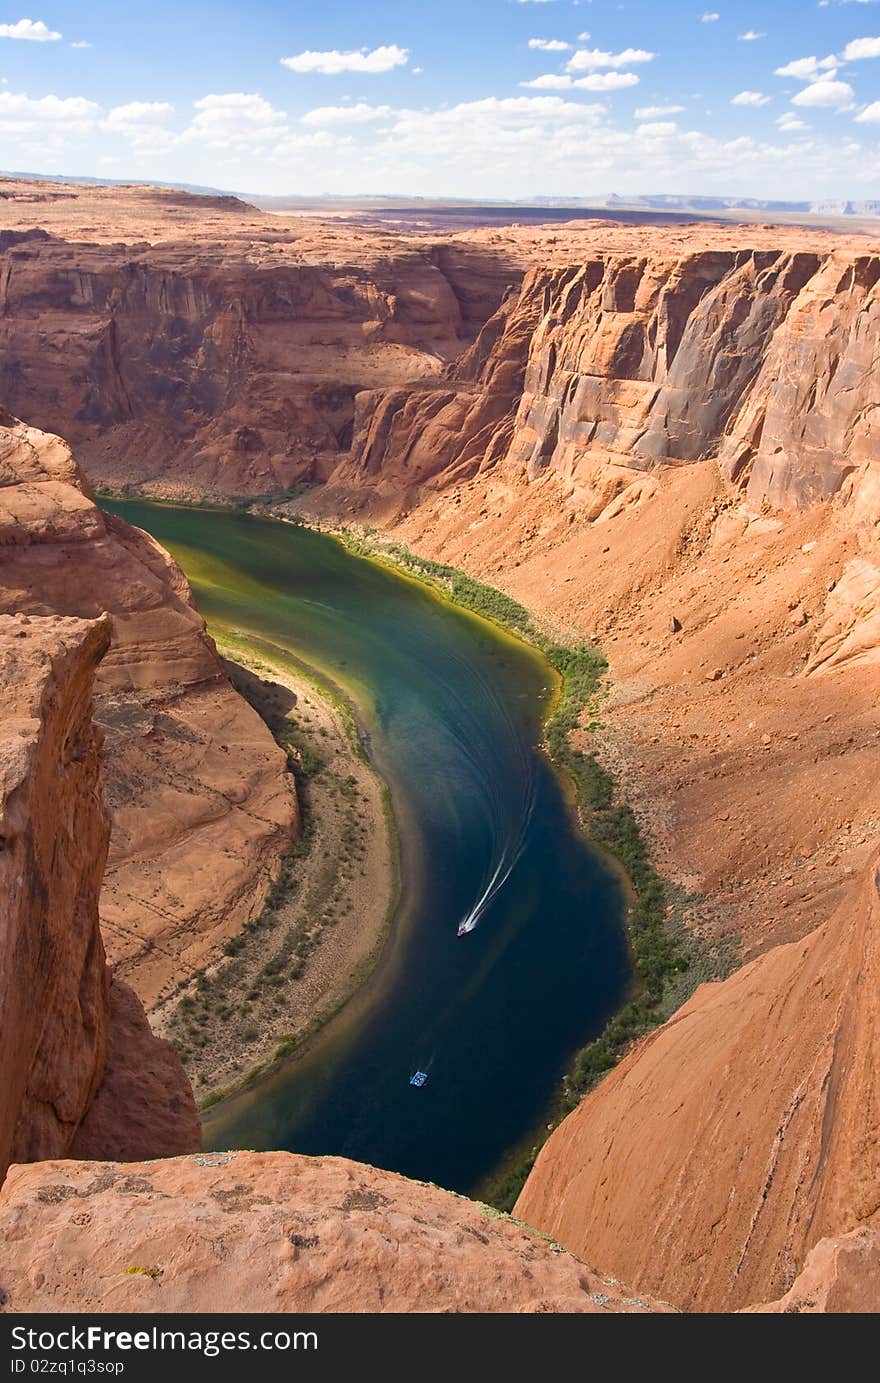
(763, 358)
(201, 801)
(62, 1042)
(229, 1232)
(739, 1134)
(54, 829)
(669, 405)
(227, 362)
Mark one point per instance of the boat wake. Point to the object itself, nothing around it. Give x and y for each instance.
(503, 853)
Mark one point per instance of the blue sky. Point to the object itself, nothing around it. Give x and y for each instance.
(472, 98)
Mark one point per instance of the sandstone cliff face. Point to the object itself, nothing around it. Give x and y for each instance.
(840, 1276)
(54, 830)
(63, 1045)
(272, 1232)
(763, 358)
(201, 802)
(673, 484)
(749, 1122)
(228, 364)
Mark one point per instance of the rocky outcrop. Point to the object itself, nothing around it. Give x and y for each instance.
(228, 362)
(200, 797)
(405, 437)
(57, 1007)
(765, 359)
(739, 1134)
(812, 416)
(744, 1130)
(270, 1232)
(840, 1276)
(54, 831)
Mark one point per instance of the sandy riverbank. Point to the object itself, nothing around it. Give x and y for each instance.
(328, 913)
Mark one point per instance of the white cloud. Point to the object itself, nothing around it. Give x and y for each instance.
(331, 63)
(81, 43)
(710, 17)
(474, 120)
(870, 115)
(236, 119)
(553, 143)
(653, 112)
(826, 94)
(751, 36)
(298, 148)
(789, 122)
(550, 45)
(324, 117)
(142, 123)
(862, 48)
(606, 81)
(590, 59)
(550, 81)
(749, 98)
(33, 29)
(658, 129)
(20, 114)
(807, 69)
(137, 113)
(596, 81)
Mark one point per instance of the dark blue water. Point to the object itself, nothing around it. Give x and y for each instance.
(453, 708)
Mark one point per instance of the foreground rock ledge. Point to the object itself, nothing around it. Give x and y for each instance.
(269, 1232)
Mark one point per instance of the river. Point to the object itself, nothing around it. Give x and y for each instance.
(452, 710)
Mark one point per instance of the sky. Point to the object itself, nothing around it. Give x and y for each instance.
(449, 98)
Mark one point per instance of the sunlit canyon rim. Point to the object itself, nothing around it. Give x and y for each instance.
(662, 439)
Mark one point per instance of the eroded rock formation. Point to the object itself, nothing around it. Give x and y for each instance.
(765, 359)
(748, 1123)
(270, 1232)
(840, 1276)
(201, 801)
(665, 441)
(57, 1018)
(228, 361)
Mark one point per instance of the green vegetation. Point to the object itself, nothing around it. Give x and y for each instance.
(247, 991)
(668, 961)
(271, 501)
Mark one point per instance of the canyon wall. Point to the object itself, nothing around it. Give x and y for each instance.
(75, 1078)
(690, 473)
(53, 980)
(229, 362)
(667, 442)
(200, 797)
(743, 1131)
(764, 359)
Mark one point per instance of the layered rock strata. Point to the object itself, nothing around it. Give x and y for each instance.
(201, 801)
(58, 1008)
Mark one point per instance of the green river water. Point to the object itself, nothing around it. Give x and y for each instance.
(452, 709)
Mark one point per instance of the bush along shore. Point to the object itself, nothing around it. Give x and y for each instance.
(668, 960)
